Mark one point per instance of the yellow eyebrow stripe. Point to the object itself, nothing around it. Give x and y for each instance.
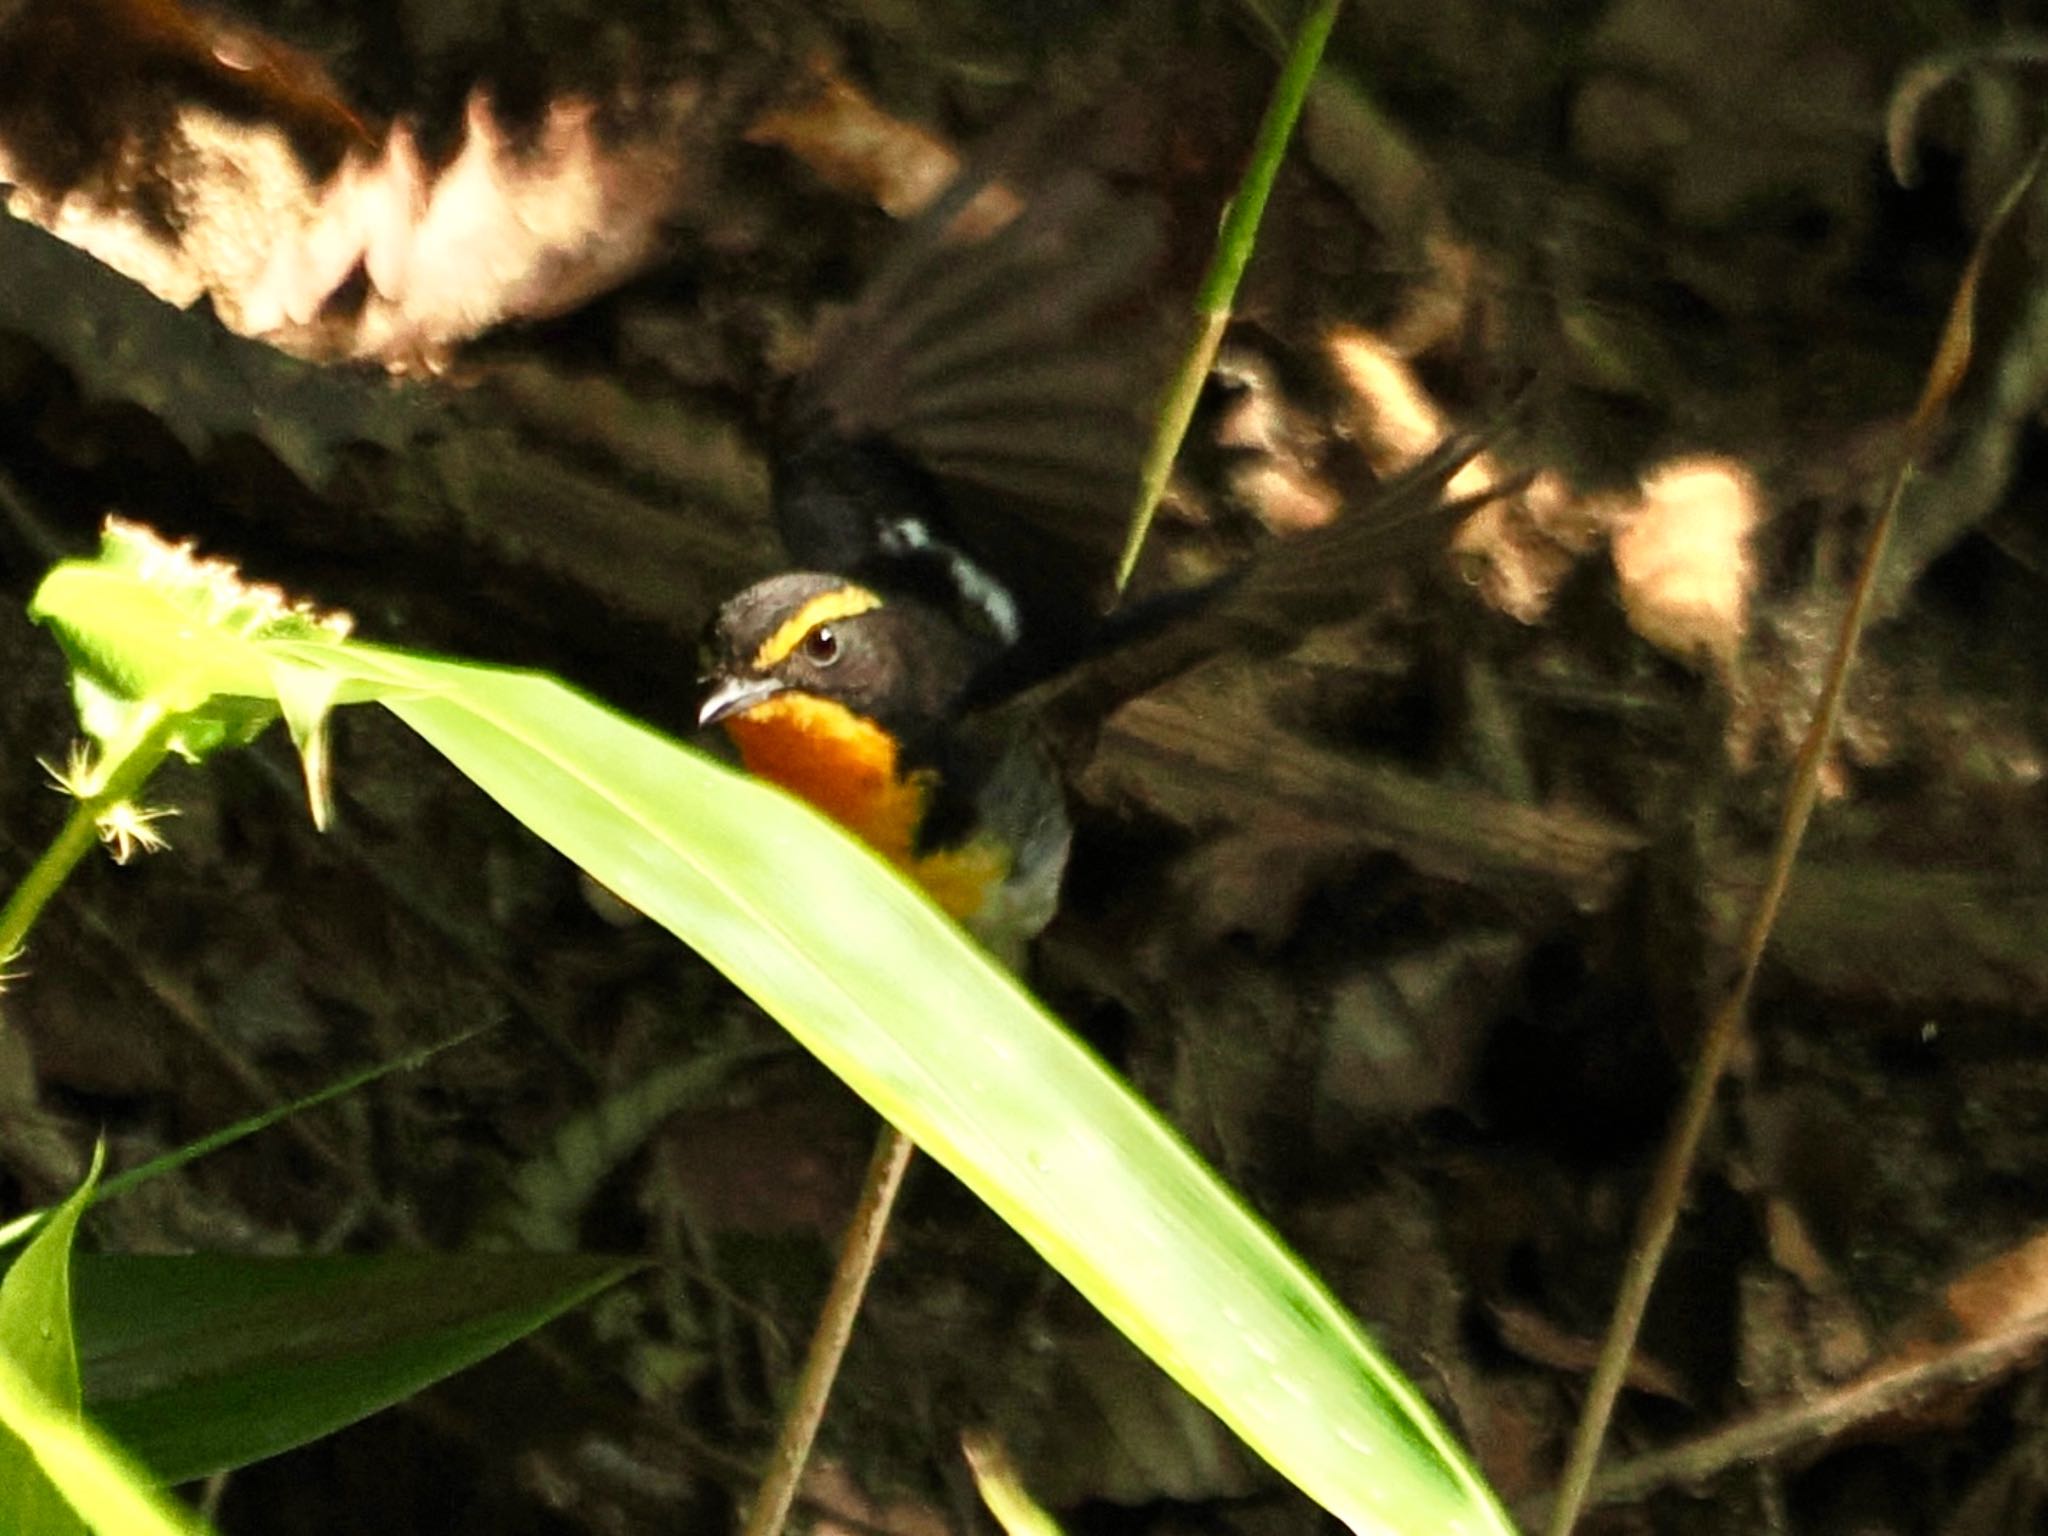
(840, 603)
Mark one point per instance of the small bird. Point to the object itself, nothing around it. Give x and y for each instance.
(951, 475)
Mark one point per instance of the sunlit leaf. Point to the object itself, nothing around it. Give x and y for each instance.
(1002, 1489)
(101, 1482)
(215, 677)
(36, 1339)
(868, 975)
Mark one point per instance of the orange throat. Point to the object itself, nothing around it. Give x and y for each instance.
(847, 766)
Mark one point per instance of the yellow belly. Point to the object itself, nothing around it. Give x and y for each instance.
(848, 768)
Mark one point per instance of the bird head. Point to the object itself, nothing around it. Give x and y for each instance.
(806, 639)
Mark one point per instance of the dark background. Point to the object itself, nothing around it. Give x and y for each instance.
(1421, 975)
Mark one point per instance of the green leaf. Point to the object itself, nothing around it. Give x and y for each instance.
(94, 1475)
(36, 1340)
(199, 1364)
(869, 976)
(1002, 1488)
(873, 979)
(163, 631)
(119, 671)
(307, 695)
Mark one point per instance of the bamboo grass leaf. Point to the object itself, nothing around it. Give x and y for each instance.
(875, 981)
(36, 1341)
(201, 1363)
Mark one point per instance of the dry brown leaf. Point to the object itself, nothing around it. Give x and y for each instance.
(1996, 1310)
(855, 147)
(1822, 1324)
(203, 161)
(1516, 550)
(1683, 560)
(1392, 414)
(2003, 1292)
(506, 231)
(1274, 478)
(842, 1508)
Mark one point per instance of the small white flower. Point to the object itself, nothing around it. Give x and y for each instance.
(80, 775)
(128, 829)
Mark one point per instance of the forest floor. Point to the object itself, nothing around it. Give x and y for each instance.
(1412, 932)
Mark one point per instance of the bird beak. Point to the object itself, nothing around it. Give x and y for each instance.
(731, 696)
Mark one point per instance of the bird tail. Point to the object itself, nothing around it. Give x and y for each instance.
(1266, 604)
(979, 347)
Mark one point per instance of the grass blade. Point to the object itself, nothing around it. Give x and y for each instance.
(1218, 292)
(939, 1038)
(201, 1363)
(876, 982)
(98, 1480)
(12, 1231)
(36, 1340)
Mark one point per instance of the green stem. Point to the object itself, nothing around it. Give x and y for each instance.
(1219, 285)
(121, 778)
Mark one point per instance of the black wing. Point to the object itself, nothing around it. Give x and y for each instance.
(972, 426)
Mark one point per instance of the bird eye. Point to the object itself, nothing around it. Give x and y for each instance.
(821, 646)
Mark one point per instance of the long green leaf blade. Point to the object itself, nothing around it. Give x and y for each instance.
(36, 1339)
(919, 1021)
(97, 1479)
(872, 978)
(204, 1363)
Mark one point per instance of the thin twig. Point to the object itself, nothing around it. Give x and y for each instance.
(857, 1251)
(893, 1151)
(1219, 285)
(1659, 1216)
(1776, 1431)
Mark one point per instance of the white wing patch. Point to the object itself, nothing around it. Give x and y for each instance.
(987, 596)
